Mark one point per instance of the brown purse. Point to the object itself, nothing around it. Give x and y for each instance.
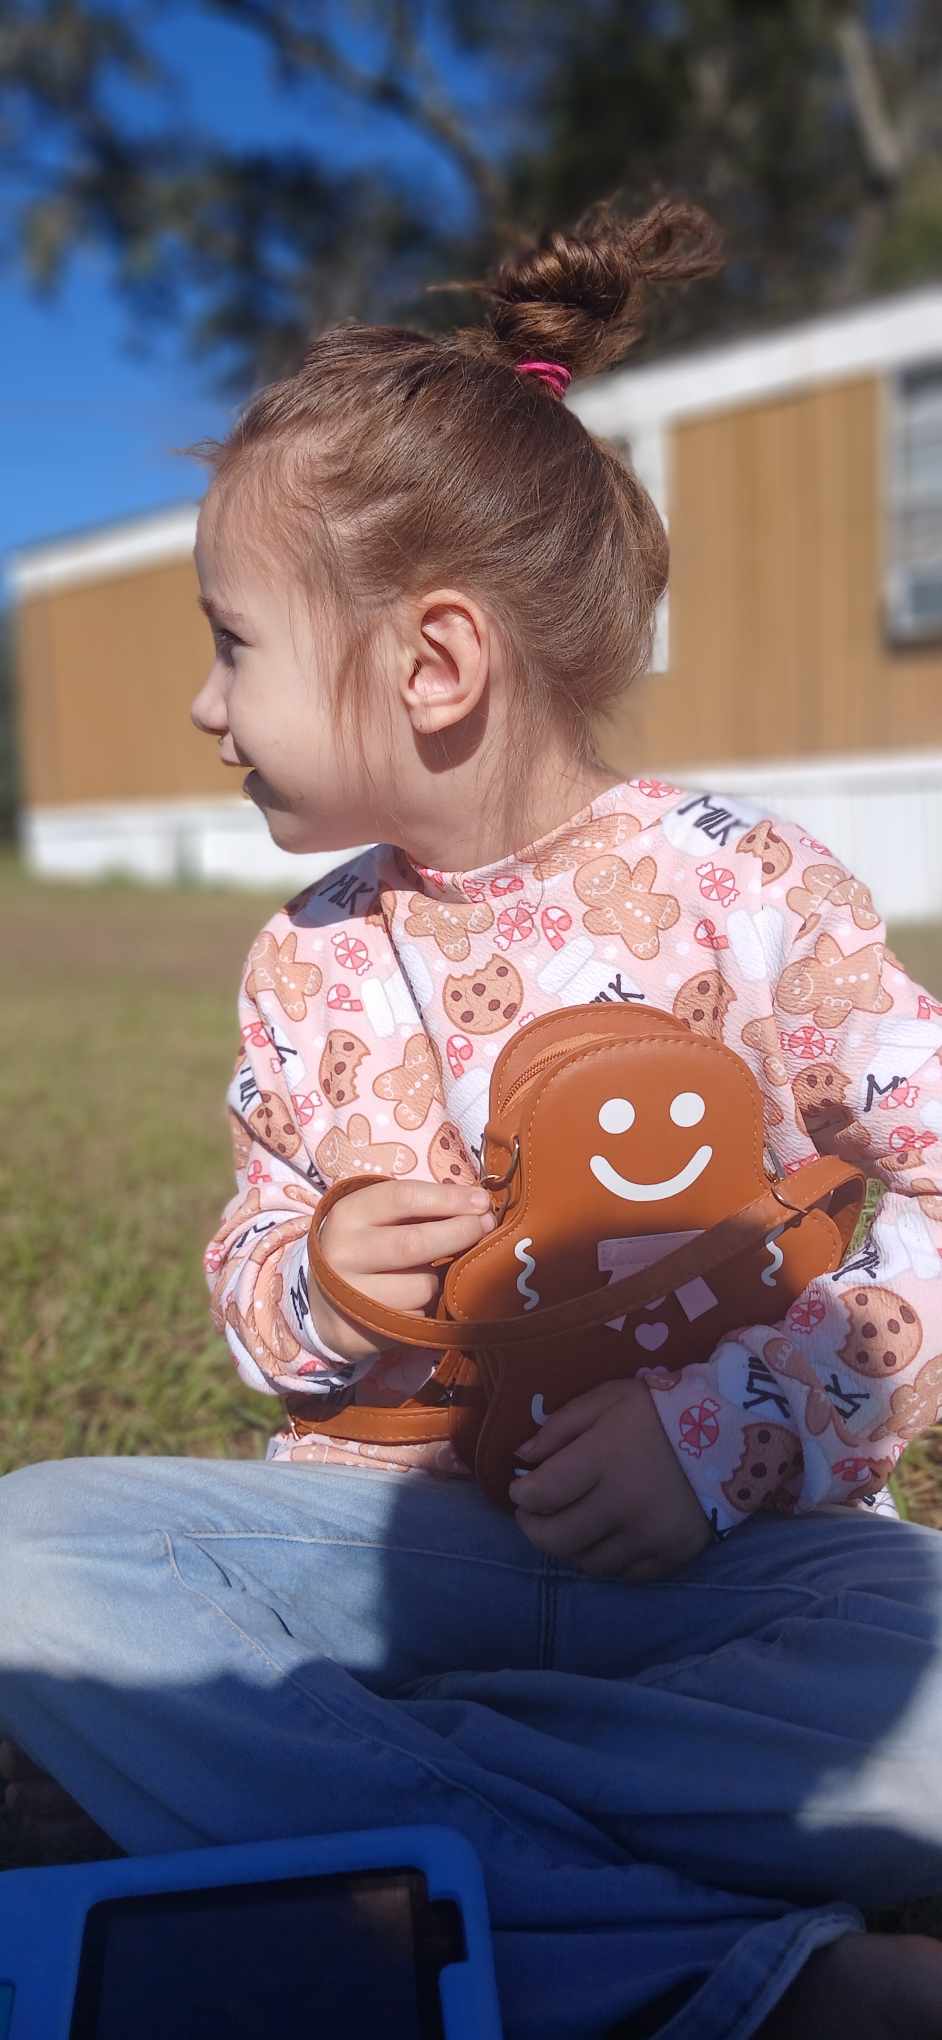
(619, 1145)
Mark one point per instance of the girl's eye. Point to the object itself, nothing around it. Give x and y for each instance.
(225, 643)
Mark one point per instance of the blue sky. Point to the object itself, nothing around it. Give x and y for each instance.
(87, 429)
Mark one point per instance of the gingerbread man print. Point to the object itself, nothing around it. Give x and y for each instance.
(831, 985)
(448, 924)
(415, 1085)
(621, 902)
(275, 967)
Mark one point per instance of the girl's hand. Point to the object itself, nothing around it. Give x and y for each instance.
(384, 1240)
(610, 1498)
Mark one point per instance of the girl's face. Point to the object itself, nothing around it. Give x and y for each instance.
(267, 698)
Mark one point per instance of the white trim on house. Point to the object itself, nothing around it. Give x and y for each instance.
(881, 814)
(167, 842)
(110, 549)
(889, 333)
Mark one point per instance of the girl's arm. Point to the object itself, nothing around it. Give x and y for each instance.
(304, 1110)
(819, 1407)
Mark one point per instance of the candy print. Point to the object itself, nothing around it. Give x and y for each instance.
(716, 883)
(806, 1315)
(515, 924)
(459, 1051)
(305, 1106)
(869, 1046)
(555, 923)
(654, 789)
(705, 933)
(351, 954)
(808, 1043)
(698, 1427)
(340, 999)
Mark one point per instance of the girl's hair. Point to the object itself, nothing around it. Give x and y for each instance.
(394, 460)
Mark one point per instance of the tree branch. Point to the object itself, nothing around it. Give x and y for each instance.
(879, 140)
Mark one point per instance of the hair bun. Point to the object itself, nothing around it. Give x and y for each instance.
(581, 297)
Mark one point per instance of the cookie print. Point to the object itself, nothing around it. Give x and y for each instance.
(763, 841)
(818, 1091)
(848, 1376)
(448, 1158)
(276, 967)
(914, 1406)
(415, 1085)
(343, 1054)
(703, 1003)
(769, 1473)
(354, 1153)
(884, 1334)
(447, 924)
(621, 901)
(831, 985)
(485, 1000)
(273, 1126)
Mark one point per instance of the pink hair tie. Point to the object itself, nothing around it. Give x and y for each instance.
(556, 377)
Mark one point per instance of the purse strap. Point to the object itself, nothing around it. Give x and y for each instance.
(734, 1235)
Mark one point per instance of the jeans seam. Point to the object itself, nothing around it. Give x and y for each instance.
(421, 1764)
(359, 1544)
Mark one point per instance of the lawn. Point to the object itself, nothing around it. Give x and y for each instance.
(117, 1035)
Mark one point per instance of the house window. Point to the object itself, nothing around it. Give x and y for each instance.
(914, 506)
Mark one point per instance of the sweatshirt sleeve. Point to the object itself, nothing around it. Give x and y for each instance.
(819, 1408)
(295, 1111)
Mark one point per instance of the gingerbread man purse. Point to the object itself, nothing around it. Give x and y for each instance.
(638, 1224)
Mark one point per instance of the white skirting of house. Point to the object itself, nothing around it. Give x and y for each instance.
(166, 842)
(881, 814)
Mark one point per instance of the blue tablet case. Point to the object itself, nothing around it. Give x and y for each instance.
(213, 1941)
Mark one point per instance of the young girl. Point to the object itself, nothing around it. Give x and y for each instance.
(685, 1699)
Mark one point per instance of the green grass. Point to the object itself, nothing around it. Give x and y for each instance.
(118, 1031)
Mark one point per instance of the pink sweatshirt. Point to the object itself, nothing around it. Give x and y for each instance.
(743, 927)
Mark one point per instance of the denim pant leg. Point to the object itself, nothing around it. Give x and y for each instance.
(208, 1650)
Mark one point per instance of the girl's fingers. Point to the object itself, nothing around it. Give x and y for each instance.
(416, 1243)
(563, 1479)
(395, 1203)
(569, 1423)
(569, 1531)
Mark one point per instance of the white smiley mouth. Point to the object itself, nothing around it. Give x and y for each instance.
(649, 1193)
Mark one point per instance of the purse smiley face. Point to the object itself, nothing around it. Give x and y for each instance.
(670, 1151)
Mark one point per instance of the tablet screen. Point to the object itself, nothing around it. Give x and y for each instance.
(304, 1957)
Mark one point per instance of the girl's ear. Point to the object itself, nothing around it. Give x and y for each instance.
(449, 654)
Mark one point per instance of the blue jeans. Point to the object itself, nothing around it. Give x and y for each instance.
(677, 1790)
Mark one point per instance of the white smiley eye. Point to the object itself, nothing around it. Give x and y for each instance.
(688, 1109)
(617, 1115)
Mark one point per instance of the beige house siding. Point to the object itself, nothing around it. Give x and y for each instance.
(777, 640)
(107, 673)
